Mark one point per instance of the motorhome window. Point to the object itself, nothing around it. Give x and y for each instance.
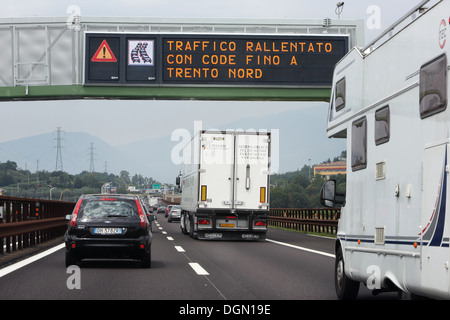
(340, 95)
(433, 87)
(382, 125)
(359, 144)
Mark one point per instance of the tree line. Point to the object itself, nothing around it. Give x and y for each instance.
(297, 189)
(60, 185)
(300, 189)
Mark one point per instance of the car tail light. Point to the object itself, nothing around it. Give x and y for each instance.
(141, 214)
(73, 220)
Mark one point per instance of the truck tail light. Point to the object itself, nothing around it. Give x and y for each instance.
(260, 224)
(141, 214)
(73, 220)
(203, 221)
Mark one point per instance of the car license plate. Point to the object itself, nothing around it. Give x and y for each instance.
(227, 225)
(108, 230)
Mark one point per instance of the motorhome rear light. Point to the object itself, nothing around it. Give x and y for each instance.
(203, 193)
(203, 221)
(73, 220)
(262, 195)
(141, 214)
(260, 224)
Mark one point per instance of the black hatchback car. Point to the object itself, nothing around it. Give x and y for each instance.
(109, 226)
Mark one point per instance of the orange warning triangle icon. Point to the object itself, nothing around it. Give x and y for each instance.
(104, 53)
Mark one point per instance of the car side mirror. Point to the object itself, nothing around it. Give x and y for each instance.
(329, 195)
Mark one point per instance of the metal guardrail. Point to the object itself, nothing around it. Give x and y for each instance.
(26, 222)
(309, 220)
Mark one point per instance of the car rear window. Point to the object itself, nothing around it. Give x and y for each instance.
(108, 208)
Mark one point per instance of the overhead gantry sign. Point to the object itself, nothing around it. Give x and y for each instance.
(198, 60)
(147, 58)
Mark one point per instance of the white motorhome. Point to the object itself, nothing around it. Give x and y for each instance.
(225, 185)
(391, 104)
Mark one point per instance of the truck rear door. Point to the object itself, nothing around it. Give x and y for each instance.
(216, 170)
(251, 171)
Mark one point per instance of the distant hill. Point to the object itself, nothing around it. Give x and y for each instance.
(301, 136)
(75, 153)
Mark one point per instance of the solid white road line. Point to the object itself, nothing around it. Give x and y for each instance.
(198, 268)
(302, 248)
(23, 263)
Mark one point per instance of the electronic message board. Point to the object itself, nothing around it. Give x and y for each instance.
(208, 59)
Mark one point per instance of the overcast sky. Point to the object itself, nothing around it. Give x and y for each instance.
(159, 118)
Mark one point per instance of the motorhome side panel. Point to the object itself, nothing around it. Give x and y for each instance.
(348, 74)
(396, 122)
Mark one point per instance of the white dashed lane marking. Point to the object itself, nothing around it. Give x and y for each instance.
(198, 269)
(179, 249)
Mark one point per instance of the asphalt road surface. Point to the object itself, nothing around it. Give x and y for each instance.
(288, 266)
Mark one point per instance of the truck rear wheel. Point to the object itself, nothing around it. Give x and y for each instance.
(192, 232)
(183, 224)
(346, 288)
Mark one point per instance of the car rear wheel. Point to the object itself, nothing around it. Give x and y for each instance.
(71, 259)
(146, 261)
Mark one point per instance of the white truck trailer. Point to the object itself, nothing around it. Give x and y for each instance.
(390, 101)
(225, 185)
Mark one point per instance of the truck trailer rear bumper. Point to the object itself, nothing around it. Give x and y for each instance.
(230, 235)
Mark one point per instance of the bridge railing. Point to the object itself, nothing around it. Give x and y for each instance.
(322, 220)
(26, 222)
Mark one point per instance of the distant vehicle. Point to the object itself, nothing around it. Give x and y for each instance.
(225, 192)
(153, 201)
(109, 226)
(148, 213)
(161, 209)
(168, 208)
(390, 100)
(174, 214)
